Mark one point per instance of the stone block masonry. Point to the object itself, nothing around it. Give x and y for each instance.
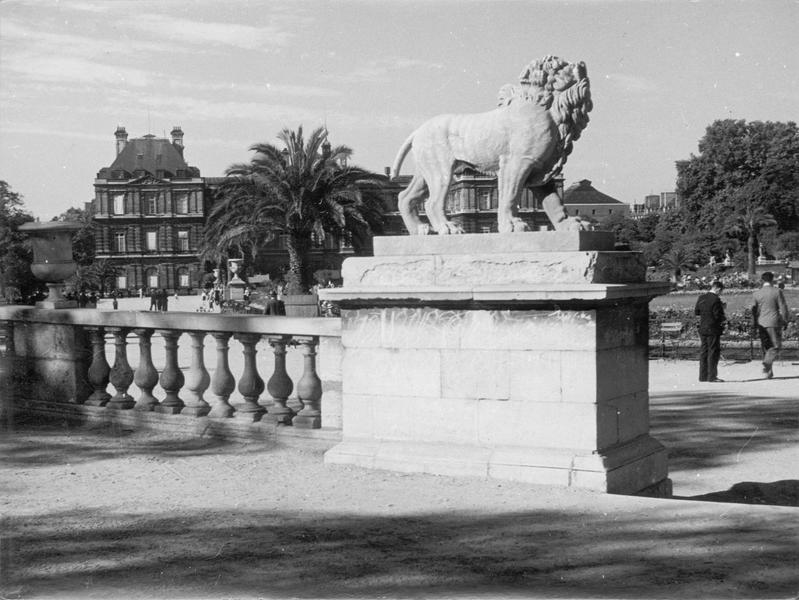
(515, 356)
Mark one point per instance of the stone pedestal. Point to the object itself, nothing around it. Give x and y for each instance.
(516, 356)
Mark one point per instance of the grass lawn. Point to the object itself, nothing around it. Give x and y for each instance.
(736, 301)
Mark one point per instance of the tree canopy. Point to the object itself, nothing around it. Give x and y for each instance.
(744, 179)
(16, 278)
(304, 190)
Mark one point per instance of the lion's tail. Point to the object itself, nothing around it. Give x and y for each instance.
(403, 152)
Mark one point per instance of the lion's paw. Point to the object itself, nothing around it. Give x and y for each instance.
(423, 229)
(450, 228)
(518, 225)
(574, 224)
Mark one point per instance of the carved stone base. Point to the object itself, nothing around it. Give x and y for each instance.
(528, 360)
(638, 465)
(121, 403)
(168, 410)
(307, 421)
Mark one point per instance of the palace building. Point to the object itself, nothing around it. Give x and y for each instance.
(149, 212)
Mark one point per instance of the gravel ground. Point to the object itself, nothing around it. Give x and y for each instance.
(108, 513)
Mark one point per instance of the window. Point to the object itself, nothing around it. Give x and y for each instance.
(183, 241)
(152, 240)
(119, 204)
(182, 203)
(122, 282)
(485, 200)
(119, 237)
(150, 203)
(152, 278)
(183, 278)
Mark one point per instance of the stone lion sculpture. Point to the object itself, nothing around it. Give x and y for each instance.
(524, 141)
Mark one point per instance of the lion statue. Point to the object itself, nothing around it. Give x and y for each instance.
(524, 141)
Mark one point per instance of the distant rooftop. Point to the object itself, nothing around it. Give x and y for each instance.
(583, 192)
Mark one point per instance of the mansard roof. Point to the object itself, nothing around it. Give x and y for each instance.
(156, 156)
(583, 192)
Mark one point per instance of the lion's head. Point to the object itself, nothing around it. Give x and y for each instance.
(560, 87)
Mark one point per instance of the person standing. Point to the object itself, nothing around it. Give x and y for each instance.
(770, 316)
(153, 299)
(712, 319)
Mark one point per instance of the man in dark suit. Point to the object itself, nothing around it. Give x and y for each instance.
(710, 309)
(274, 306)
(770, 314)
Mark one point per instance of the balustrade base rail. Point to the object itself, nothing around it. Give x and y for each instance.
(232, 430)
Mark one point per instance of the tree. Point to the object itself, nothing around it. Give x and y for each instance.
(16, 278)
(745, 178)
(304, 190)
(83, 244)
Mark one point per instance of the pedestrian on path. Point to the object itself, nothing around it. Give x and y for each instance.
(770, 315)
(712, 320)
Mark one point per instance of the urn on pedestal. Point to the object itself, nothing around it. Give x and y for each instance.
(52, 258)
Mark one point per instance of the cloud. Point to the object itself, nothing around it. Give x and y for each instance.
(75, 70)
(632, 84)
(202, 33)
(380, 71)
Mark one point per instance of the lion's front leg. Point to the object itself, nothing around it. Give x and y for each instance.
(558, 217)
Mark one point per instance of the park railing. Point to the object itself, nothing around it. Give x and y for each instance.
(260, 372)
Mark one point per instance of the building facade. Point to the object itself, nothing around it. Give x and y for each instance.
(471, 203)
(582, 200)
(149, 212)
(656, 203)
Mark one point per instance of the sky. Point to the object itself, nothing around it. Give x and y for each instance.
(235, 73)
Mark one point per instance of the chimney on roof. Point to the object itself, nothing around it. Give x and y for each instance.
(177, 138)
(122, 138)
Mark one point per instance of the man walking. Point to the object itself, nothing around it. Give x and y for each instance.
(710, 310)
(770, 315)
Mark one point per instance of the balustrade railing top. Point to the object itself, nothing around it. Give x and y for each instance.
(183, 321)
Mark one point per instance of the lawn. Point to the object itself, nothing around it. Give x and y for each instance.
(736, 301)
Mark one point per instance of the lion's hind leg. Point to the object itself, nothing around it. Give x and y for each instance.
(408, 206)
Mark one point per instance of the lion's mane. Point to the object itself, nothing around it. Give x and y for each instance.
(564, 90)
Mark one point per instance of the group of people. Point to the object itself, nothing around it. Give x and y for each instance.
(770, 316)
(159, 300)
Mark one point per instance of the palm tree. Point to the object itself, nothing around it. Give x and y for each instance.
(304, 190)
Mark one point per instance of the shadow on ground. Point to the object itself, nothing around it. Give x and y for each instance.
(53, 443)
(280, 553)
(710, 430)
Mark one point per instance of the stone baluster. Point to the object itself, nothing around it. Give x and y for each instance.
(279, 385)
(197, 379)
(309, 387)
(250, 385)
(146, 375)
(223, 383)
(121, 375)
(172, 378)
(99, 369)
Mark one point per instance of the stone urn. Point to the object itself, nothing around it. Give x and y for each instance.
(236, 285)
(52, 258)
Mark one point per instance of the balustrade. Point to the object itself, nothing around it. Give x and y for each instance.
(196, 390)
(198, 379)
(121, 375)
(309, 387)
(250, 385)
(223, 383)
(99, 369)
(146, 375)
(280, 385)
(172, 377)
